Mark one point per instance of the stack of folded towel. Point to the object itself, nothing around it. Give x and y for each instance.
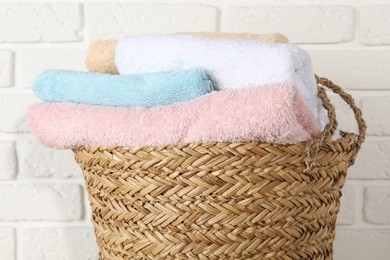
(200, 87)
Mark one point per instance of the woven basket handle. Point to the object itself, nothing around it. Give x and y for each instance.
(315, 144)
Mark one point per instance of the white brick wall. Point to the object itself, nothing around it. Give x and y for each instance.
(75, 243)
(37, 161)
(376, 111)
(305, 24)
(113, 20)
(34, 61)
(347, 214)
(13, 109)
(373, 161)
(374, 63)
(376, 205)
(374, 25)
(7, 243)
(362, 244)
(6, 68)
(40, 23)
(44, 213)
(52, 202)
(7, 160)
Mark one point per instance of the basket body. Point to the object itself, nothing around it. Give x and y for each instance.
(215, 200)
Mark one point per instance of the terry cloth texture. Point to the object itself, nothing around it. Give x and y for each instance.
(231, 64)
(272, 114)
(143, 90)
(101, 54)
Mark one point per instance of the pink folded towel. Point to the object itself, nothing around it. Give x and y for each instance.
(273, 114)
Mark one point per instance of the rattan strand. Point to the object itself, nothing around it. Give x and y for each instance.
(221, 200)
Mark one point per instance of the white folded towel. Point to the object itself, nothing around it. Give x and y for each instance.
(230, 63)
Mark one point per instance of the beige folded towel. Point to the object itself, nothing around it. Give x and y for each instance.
(101, 57)
(101, 54)
(272, 37)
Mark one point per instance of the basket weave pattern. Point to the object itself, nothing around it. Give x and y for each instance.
(220, 200)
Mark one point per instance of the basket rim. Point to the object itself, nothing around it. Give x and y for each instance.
(345, 136)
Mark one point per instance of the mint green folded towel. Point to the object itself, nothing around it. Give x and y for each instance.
(141, 90)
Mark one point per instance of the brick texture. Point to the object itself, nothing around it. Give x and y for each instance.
(301, 24)
(53, 202)
(376, 205)
(8, 160)
(354, 69)
(76, 243)
(115, 20)
(373, 161)
(37, 161)
(7, 243)
(40, 23)
(362, 244)
(375, 110)
(34, 61)
(6, 68)
(13, 112)
(374, 25)
(347, 212)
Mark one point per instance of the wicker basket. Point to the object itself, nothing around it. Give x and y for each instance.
(221, 200)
